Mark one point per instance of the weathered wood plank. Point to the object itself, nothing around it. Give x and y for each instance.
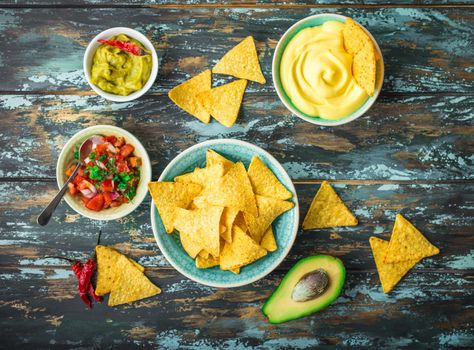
(44, 301)
(401, 138)
(443, 212)
(426, 50)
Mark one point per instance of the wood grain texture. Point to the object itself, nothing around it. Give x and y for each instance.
(425, 50)
(39, 293)
(401, 138)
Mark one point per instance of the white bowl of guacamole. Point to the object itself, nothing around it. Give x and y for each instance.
(116, 74)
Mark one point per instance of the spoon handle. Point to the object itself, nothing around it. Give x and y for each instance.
(46, 214)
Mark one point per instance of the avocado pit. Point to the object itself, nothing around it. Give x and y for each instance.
(310, 286)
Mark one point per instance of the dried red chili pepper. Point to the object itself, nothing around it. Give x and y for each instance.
(78, 270)
(123, 45)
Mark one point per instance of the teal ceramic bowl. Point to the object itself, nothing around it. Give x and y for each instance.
(285, 227)
(313, 21)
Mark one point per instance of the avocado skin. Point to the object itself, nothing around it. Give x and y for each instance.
(319, 306)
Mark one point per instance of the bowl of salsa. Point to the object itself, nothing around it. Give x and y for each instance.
(113, 179)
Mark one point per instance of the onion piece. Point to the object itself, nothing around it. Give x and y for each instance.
(87, 193)
(111, 148)
(101, 165)
(114, 195)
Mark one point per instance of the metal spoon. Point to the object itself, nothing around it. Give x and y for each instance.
(84, 152)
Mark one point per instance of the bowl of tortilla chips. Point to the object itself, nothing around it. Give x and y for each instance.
(225, 213)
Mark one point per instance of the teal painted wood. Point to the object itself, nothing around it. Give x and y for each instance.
(425, 50)
(406, 138)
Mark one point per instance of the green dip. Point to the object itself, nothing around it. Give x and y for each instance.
(119, 72)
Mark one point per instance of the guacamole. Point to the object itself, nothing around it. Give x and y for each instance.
(119, 72)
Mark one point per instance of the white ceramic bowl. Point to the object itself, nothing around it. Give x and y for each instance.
(66, 158)
(107, 34)
(313, 21)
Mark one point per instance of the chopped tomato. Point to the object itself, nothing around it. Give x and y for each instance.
(81, 171)
(115, 203)
(135, 162)
(96, 203)
(84, 184)
(122, 167)
(107, 198)
(119, 142)
(111, 138)
(84, 200)
(78, 179)
(100, 149)
(70, 170)
(126, 150)
(72, 189)
(107, 186)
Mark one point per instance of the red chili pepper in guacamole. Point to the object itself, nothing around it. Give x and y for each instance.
(123, 45)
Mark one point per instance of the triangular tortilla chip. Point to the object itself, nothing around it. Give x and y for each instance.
(264, 182)
(408, 243)
(190, 243)
(240, 221)
(232, 190)
(242, 251)
(268, 210)
(354, 37)
(223, 102)
(107, 273)
(364, 68)
(389, 274)
(132, 284)
(204, 263)
(236, 270)
(171, 195)
(204, 177)
(202, 225)
(268, 241)
(328, 210)
(212, 158)
(241, 62)
(184, 95)
(227, 219)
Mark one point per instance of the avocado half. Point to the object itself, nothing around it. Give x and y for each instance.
(281, 307)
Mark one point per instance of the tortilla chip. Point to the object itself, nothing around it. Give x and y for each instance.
(268, 241)
(190, 243)
(171, 195)
(328, 210)
(203, 177)
(236, 270)
(389, 274)
(203, 254)
(184, 95)
(131, 285)
(212, 158)
(204, 263)
(107, 272)
(240, 221)
(268, 209)
(202, 225)
(264, 182)
(407, 243)
(364, 68)
(227, 219)
(223, 102)
(242, 251)
(232, 190)
(354, 37)
(241, 62)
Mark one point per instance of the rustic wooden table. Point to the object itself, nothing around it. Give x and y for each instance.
(411, 153)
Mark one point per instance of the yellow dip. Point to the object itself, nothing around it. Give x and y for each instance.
(316, 73)
(119, 72)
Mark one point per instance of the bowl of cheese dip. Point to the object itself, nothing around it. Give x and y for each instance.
(313, 72)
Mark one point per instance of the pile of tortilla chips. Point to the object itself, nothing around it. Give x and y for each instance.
(122, 277)
(196, 96)
(406, 248)
(364, 56)
(223, 212)
(328, 210)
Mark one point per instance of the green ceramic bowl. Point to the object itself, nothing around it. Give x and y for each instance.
(285, 226)
(313, 21)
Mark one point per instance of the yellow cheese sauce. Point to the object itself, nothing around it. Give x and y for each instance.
(316, 73)
(119, 72)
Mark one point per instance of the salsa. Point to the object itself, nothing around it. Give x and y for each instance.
(109, 176)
